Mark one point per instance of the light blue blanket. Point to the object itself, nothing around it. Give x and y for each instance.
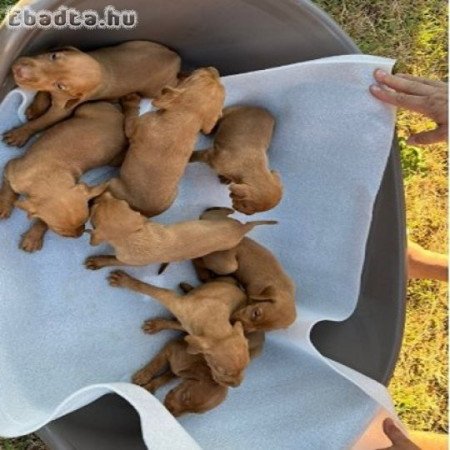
(67, 338)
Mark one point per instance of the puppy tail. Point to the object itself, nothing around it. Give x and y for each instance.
(256, 223)
(162, 268)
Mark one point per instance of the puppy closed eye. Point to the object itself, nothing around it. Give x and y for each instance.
(186, 397)
(256, 313)
(61, 86)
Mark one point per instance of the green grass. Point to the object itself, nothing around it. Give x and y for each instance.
(415, 33)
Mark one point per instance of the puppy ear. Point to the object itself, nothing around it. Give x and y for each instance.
(266, 295)
(27, 206)
(167, 97)
(197, 344)
(93, 191)
(239, 191)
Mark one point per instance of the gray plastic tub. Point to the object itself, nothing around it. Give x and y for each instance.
(239, 36)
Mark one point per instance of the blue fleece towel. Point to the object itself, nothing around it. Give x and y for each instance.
(67, 338)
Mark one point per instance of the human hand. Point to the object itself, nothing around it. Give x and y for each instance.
(398, 439)
(427, 97)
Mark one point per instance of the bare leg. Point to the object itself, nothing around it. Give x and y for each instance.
(130, 106)
(100, 261)
(424, 264)
(201, 156)
(153, 326)
(166, 297)
(19, 136)
(40, 105)
(160, 381)
(7, 199)
(33, 239)
(155, 366)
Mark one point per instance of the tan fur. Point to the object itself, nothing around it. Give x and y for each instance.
(198, 392)
(48, 173)
(139, 242)
(239, 157)
(161, 142)
(72, 77)
(271, 293)
(204, 313)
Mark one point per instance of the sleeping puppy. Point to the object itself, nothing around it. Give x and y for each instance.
(239, 156)
(48, 173)
(161, 142)
(270, 291)
(68, 77)
(139, 242)
(204, 313)
(197, 392)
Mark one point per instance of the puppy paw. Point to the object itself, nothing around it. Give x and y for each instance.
(94, 263)
(17, 137)
(151, 326)
(30, 243)
(151, 387)
(5, 209)
(33, 112)
(119, 278)
(141, 378)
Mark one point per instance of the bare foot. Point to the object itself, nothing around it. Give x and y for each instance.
(17, 137)
(119, 278)
(31, 242)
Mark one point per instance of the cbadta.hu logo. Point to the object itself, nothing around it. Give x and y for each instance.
(65, 17)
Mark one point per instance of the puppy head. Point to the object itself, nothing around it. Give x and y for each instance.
(250, 200)
(195, 396)
(202, 91)
(68, 74)
(267, 311)
(112, 218)
(227, 358)
(66, 212)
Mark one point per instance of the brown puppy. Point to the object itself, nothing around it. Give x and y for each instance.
(48, 173)
(239, 157)
(161, 142)
(198, 392)
(139, 242)
(271, 293)
(204, 313)
(68, 77)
